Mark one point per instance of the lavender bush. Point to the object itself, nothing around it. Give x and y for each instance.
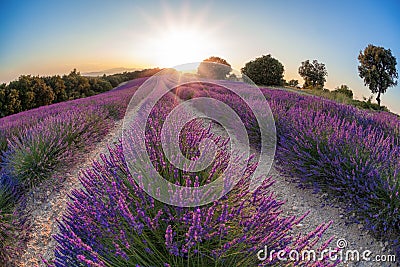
(11, 227)
(37, 151)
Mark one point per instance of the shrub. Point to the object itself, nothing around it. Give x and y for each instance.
(367, 104)
(293, 83)
(344, 89)
(334, 95)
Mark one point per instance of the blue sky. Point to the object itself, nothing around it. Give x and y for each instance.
(53, 37)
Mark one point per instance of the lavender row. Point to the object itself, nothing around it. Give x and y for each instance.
(112, 102)
(114, 222)
(35, 143)
(351, 153)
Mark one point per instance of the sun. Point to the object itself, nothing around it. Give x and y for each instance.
(183, 46)
(180, 37)
(179, 46)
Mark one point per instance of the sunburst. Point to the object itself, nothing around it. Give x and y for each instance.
(181, 37)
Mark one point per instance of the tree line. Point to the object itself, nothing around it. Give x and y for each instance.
(377, 68)
(33, 91)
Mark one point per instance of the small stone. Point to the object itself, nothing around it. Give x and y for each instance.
(341, 216)
(360, 226)
(293, 195)
(295, 208)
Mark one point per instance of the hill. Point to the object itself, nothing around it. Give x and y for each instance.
(109, 71)
(348, 154)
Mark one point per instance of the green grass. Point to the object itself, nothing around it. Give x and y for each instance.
(340, 98)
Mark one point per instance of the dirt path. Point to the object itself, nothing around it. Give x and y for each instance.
(323, 209)
(48, 202)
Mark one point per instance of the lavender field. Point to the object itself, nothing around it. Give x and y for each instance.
(199, 133)
(352, 154)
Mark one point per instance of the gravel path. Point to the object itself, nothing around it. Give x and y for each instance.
(48, 202)
(323, 209)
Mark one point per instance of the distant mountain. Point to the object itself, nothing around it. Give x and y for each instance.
(109, 71)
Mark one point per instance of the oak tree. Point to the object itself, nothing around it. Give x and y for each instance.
(313, 73)
(214, 68)
(378, 69)
(264, 70)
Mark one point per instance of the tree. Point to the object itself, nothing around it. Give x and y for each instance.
(378, 69)
(58, 86)
(233, 77)
(344, 89)
(214, 68)
(99, 85)
(76, 85)
(13, 102)
(44, 95)
(264, 70)
(313, 73)
(3, 103)
(25, 93)
(113, 80)
(293, 83)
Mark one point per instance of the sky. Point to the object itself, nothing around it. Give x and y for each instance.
(45, 37)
